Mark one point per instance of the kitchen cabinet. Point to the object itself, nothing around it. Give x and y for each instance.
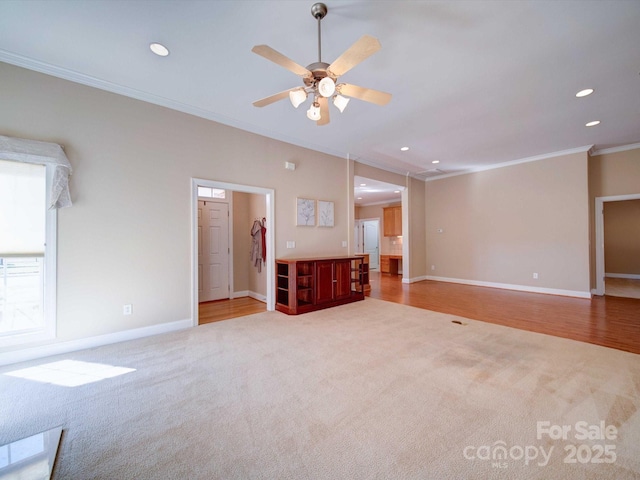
(392, 221)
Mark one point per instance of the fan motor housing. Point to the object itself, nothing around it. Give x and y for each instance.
(318, 70)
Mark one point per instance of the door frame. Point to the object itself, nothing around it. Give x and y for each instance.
(599, 214)
(269, 194)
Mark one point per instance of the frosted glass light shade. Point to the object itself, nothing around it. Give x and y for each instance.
(314, 112)
(340, 102)
(297, 97)
(326, 87)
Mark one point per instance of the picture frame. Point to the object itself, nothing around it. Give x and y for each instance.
(326, 211)
(305, 212)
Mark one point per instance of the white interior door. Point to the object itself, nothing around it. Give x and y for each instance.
(371, 241)
(213, 251)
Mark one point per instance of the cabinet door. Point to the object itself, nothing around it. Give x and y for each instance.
(397, 221)
(388, 222)
(343, 279)
(324, 281)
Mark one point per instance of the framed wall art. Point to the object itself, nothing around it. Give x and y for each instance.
(325, 214)
(306, 212)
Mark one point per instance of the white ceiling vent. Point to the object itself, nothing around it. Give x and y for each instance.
(432, 172)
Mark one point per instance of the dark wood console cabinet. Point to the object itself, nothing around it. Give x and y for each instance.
(307, 284)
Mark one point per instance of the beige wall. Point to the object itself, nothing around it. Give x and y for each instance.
(502, 225)
(610, 175)
(622, 237)
(127, 239)
(414, 216)
(241, 241)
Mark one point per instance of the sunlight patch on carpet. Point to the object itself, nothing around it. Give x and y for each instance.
(70, 373)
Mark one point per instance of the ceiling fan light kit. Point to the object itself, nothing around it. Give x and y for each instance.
(297, 97)
(314, 112)
(320, 78)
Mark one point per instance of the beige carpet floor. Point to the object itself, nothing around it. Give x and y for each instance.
(370, 390)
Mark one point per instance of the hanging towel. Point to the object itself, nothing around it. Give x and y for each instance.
(257, 245)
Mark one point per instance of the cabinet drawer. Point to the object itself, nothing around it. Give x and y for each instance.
(384, 264)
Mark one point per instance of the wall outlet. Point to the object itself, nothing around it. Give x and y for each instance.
(291, 244)
(433, 267)
(344, 243)
(127, 309)
(535, 276)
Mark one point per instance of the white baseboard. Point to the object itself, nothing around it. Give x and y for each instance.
(509, 286)
(249, 293)
(415, 279)
(632, 276)
(33, 353)
(258, 296)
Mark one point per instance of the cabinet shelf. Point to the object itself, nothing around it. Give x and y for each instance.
(309, 284)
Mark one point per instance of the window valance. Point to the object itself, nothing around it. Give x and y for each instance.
(43, 153)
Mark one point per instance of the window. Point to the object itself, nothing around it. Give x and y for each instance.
(210, 192)
(27, 253)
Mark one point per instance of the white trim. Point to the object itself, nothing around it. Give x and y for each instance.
(599, 218)
(535, 158)
(269, 194)
(631, 276)
(509, 286)
(622, 148)
(33, 353)
(250, 294)
(258, 296)
(415, 279)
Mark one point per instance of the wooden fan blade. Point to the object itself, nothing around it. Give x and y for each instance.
(356, 53)
(276, 57)
(273, 98)
(324, 111)
(365, 94)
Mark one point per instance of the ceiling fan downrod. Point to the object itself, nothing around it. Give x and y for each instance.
(319, 10)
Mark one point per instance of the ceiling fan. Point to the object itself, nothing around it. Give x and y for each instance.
(320, 78)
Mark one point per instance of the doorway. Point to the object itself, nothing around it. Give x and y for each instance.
(196, 254)
(602, 274)
(367, 238)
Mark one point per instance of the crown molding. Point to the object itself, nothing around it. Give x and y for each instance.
(87, 80)
(622, 148)
(545, 156)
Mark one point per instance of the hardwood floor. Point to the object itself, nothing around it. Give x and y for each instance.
(608, 321)
(224, 309)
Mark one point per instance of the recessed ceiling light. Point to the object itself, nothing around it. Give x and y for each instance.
(363, 184)
(436, 161)
(404, 149)
(585, 92)
(159, 49)
(396, 191)
(359, 198)
(592, 124)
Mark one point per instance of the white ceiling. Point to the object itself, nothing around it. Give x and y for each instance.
(371, 192)
(474, 83)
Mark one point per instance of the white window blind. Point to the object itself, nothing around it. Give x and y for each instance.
(22, 209)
